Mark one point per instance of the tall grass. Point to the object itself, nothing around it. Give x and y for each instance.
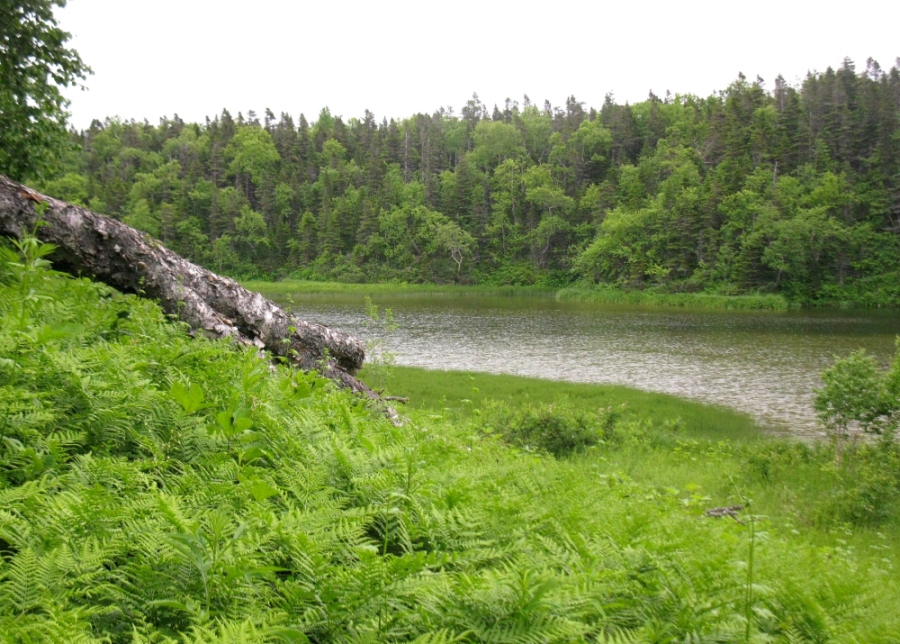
(600, 295)
(608, 295)
(300, 288)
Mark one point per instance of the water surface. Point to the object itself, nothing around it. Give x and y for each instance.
(764, 363)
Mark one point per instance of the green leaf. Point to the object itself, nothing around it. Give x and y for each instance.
(242, 424)
(191, 399)
(262, 491)
(252, 454)
(259, 489)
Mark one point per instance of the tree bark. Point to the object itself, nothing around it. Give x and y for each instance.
(133, 262)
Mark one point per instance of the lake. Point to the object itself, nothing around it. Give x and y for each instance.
(764, 363)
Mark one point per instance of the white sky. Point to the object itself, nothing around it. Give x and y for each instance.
(194, 57)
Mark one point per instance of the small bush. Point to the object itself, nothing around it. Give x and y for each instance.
(555, 428)
(865, 490)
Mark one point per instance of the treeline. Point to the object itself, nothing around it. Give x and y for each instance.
(787, 189)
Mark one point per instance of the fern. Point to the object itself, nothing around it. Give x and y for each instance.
(130, 513)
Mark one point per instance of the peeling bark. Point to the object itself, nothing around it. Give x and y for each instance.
(131, 261)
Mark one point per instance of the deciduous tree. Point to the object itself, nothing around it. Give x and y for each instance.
(34, 65)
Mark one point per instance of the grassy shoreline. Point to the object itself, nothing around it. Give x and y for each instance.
(301, 288)
(681, 300)
(598, 294)
(457, 394)
(671, 443)
(304, 287)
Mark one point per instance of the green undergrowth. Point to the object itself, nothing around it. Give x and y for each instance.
(672, 443)
(158, 488)
(650, 297)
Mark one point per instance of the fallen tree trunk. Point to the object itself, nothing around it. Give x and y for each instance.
(131, 261)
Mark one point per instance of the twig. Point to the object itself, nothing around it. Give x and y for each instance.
(727, 511)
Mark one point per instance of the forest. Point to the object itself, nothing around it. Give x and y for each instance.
(781, 188)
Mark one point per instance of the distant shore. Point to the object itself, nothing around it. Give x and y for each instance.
(601, 294)
(607, 295)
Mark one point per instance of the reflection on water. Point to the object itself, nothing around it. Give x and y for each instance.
(763, 363)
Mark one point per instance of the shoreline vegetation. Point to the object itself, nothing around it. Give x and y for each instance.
(578, 293)
(460, 394)
(612, 295)
(294, 287)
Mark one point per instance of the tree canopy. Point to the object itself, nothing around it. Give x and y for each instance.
(34, 64)
(768, 188)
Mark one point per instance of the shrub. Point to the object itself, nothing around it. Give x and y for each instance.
(555, 428)
(865, 491)
(857, 395)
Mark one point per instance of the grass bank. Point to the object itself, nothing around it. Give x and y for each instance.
(699, 453)
(460, 394)
(688, 300)
(600, 295)
(287, 288)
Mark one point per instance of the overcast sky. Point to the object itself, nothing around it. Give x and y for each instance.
(194, 57)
